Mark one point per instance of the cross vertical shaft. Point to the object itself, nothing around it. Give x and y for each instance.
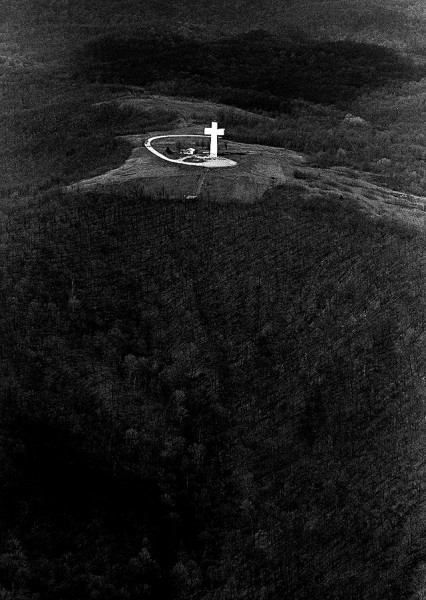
(214, 132)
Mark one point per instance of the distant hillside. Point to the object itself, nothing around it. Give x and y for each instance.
(252, 70)
(397, 23)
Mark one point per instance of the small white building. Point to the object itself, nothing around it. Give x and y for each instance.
(189, 151)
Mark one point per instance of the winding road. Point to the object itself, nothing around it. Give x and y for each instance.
(209, 162)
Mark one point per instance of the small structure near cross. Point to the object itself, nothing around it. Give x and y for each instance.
(214, 132)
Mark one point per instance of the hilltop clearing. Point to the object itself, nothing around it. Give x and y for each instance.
(259, 168)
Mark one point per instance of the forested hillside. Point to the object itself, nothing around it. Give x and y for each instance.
(207, 400)
(399, 24)
(213, 399)
(245, 68)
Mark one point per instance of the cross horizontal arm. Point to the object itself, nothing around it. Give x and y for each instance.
(210, 130)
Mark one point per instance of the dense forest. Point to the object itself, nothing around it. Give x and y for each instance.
(65, 139)
(205, 400)
(258, 64)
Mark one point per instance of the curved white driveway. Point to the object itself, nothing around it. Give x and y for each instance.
(209, 162)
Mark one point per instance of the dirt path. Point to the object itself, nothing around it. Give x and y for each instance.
(187, 160)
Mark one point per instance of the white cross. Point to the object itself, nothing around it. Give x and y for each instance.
(214, 132)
